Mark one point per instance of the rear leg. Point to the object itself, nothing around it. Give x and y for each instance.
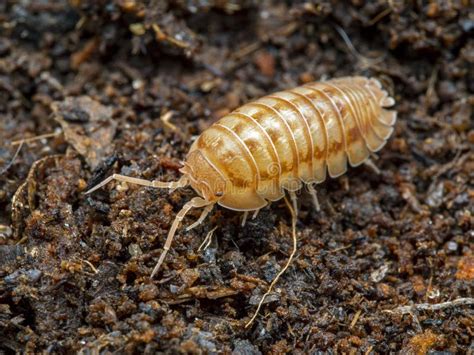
(314, 196)
(293, 211)
(244, 218)
(294, 201)
(371, 165)
(255, 214)
(246, 215)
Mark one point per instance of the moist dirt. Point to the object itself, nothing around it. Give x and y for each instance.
(122, 86)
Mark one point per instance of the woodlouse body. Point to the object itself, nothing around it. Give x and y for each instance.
(278, 142)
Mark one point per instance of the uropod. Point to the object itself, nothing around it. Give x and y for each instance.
(277, 144)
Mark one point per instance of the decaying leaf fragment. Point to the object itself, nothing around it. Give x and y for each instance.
(87, 126)
(24, 200)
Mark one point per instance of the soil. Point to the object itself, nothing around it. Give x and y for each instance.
(123, 86)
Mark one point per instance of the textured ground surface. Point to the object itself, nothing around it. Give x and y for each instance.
(131, 86)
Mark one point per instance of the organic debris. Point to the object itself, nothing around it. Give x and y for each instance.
(88, 126)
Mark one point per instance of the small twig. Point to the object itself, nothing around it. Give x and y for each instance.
(20, 143)
(458, 160)
(246, 50)
(432, 307)
(380, 16)
(165, 118)
(339, 249)
(431, 83)
(5, 169)
(90, 265)
(355, 319)
(35, 138)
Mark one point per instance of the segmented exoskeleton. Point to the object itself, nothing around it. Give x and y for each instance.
(277, 143)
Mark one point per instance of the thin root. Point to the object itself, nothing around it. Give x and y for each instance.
(432, 307)
(9, 165)
(20, 143)
(380, 16)
(90, 265)
(35, 138)
(290, 259)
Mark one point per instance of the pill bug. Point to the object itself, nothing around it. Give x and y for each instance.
(279, 143)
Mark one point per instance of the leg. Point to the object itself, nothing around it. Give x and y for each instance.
(207, 241)
(183, 181)
(244, 218)
(371, 165)
(294, 200)
(201, 218)
(314, 196)
(195, 202)
(290, 259)
(255, 214)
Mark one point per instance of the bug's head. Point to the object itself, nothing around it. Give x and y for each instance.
(204, 178)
